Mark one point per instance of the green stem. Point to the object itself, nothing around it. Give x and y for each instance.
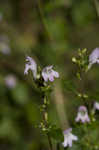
(45, 117)
(43, 20)
(97, 7)
(58, 146)
(50, 142)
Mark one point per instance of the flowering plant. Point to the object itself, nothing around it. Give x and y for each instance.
(85, 119)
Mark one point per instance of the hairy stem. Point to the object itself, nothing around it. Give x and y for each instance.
(45, 118)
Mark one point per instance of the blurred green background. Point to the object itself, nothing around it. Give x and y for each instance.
(50, 31)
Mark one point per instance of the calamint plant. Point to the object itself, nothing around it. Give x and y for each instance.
(43, 78)
(85, 120)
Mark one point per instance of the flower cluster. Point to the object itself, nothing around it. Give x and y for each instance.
(82, 115)
(47, 73)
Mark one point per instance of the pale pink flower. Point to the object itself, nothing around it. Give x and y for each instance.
(30, 65)
(10, 81)
(49, 74)
(82, 115)
(96, 106)
(69, 138)
(94, 57)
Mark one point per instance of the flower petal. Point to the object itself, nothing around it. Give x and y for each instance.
(51, 78)
(31, 65)
(55, 74)
(45, 76)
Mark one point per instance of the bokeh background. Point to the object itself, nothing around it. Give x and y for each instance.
(50, 31)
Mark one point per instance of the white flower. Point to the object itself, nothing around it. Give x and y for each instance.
(10, 81)
(48, 74)
(94, 57)
(82, 115)
(31, 65)
(96, 106)
(68, 138)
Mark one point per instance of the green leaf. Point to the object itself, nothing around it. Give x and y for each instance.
(69, 85)
(57, 134)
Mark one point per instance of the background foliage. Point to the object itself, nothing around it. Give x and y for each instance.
(51, 31)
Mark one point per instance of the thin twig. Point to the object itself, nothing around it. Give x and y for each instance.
(97, 7)
(45, 118)
(43, 20)
(58, 146)
(50, 143)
